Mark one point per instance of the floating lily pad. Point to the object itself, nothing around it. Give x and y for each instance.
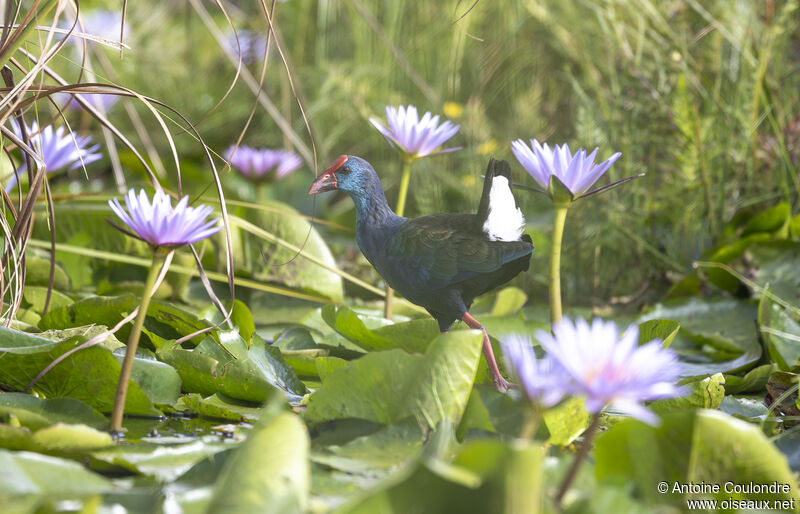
(90, 375)
(391, 385)
(270, 472)
(719, 334)
(35, 413)
(701, 446)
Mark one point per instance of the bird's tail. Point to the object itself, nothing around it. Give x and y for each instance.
(498, 214)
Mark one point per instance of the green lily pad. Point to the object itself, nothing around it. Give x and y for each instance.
(700, 446)
(37, 295)
(780, 330)
(56, 438)
(485, 476)
(664, 329)
(35, 413)
(753, 381)
(718, 333)
(36, 474)
(776, 264)
(567, 421)
(207, 370)
(256, 252)
(411, 336)
(269, 473)
(163, 318)
(391, 385)
(700, 394)
(90, 375)
(742, 407)
(164, 462)
(37, 273)
(215, 407)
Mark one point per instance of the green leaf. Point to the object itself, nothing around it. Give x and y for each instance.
(16, 342)
(78, 267)
(165, 462)
(257, 252)
(164, 319)
(701, 394)
(35, 413)
(508, 301)
(57, 438)
(215, 407)
(90, 375)
(243, 320)
(33, 473)
(411, 336)
(726, 253)
(780, 331)
(700, 446)
(208, 370)
(485, 476)
(36, 296)
(664, 329)
(794, 226)
(752, 382)
(566, 421)
(788, 442)
(37, 273)
(776, 266)
(782, 383)
(391, 385)
(771, 220)
(749, 409)
(269, 472)
(378, 453)
(718, 332)
(160, 382)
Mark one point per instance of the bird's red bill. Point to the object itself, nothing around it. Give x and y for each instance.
(327, 181)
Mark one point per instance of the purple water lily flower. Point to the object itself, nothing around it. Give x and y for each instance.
(103, 23)
(57, 149)
(262, 164)
(612, 370)
(542, 380)
(162, 225)
(252, 45)
(576, 171)
(102, 102)
(414, 136)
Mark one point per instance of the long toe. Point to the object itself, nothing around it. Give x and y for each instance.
(501, 384)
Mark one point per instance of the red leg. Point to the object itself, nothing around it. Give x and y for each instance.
(500, 383)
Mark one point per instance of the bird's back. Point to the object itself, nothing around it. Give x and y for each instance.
(433, 257)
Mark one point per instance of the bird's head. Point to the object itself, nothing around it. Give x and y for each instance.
(348, 173)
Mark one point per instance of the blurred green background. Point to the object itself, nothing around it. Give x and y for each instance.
(700, 95)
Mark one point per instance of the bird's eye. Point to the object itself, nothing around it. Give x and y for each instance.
(344, 169)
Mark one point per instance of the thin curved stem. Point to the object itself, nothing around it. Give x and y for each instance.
(579, 458)
(133, 343)
(559, 218)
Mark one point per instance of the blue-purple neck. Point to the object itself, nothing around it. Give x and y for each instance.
(375, 220)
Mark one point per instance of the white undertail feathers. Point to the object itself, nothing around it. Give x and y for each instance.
(505, 221)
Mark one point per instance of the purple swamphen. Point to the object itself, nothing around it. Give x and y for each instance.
(440, 262)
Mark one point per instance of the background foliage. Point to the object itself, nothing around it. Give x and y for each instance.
(702, 96)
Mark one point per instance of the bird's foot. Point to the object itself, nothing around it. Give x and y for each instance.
(501, 384)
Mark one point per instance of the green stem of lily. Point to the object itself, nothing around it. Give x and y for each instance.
(579, 458)
(404, 179)
(133, 342)
(559, 217)
(401, 208)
